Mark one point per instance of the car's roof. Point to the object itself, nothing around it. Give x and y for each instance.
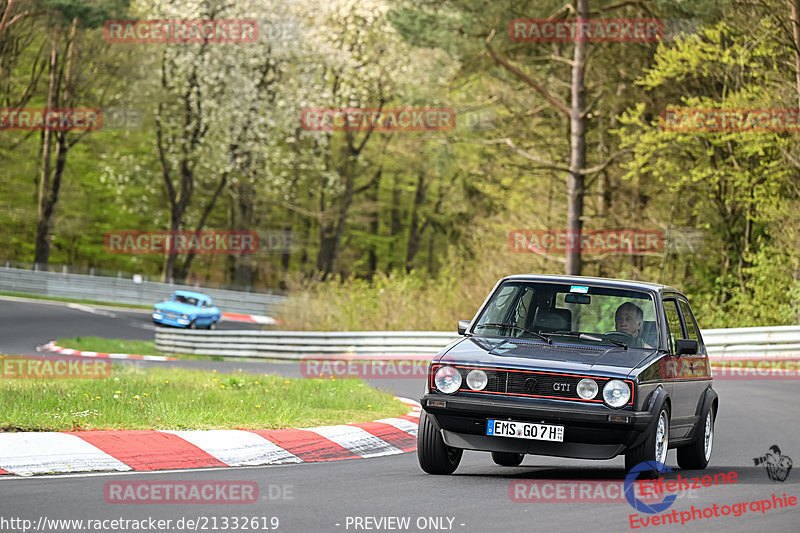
(191, 294)
(608, 282)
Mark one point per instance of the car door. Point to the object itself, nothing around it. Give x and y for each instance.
(214, 313)
(205, 312)
(672, 362)
(696, 366)
(688, 372)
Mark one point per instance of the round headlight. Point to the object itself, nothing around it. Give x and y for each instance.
(616, 393)
(185, 316)
(447, 379)
(477, 380)
(587, 388)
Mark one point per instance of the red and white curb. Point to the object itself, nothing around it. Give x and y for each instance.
(52, 347)
(252, 319)
(27, 454)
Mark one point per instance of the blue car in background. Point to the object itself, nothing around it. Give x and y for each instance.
(185, 309)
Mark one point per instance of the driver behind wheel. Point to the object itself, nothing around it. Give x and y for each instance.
(629, 319)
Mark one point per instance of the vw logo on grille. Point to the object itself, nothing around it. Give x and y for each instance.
(530, 385)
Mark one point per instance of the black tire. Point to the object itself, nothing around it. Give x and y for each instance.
(648, 451)
(696, 455)
(434, 456)
(193, 324)
(507, 458)
(212, 324)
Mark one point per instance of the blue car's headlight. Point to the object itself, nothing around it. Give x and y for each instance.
(185, 316)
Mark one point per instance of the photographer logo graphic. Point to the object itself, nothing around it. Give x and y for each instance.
(778, 466)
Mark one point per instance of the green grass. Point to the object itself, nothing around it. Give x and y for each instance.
(99, 344)
(170, 398)
(71, 300)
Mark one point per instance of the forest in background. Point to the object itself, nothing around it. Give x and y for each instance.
(410, 230)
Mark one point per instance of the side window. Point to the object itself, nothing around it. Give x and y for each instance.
(673, 323)
(691, 325)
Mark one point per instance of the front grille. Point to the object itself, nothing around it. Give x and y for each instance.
(528, 383)
(533, 383)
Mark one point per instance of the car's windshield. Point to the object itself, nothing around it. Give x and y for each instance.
(184, 299)
(563, 312)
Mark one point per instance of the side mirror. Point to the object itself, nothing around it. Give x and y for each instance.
(686, 346)
(463, 326)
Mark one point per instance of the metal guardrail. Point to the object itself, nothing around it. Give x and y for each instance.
(779, 342)
(773, 342)
(298, 344)
(128, 291)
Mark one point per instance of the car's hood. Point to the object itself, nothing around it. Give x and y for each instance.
(560, 357)
(177, 307)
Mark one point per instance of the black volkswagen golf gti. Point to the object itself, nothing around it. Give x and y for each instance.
(577, 367)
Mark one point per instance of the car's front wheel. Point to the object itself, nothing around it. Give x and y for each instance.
(696, 455)
(212, 324)
(193, 324)
(653, 449)
(435, 457)
(507, 458)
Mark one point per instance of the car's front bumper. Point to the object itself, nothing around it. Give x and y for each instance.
(595, 432)
(160, 318)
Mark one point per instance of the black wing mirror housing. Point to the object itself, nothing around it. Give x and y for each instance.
(686, 346)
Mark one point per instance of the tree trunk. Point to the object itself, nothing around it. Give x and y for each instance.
(41, 254)
(413, 229)
(374, 218)
(395, 222)
(48, 190)
(332, 231)
(795, 6)
(246, 202)
(575, 181)
(179, 200)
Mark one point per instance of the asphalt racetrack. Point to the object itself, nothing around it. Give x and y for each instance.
(392, 493)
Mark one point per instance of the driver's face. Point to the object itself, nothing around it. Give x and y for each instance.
(627, 323)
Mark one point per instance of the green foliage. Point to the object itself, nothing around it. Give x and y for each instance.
(416, 224)
(90, 14)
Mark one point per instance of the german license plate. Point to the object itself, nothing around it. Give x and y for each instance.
(524, 430)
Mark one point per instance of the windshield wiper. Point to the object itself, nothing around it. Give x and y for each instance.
(501, 325)
(587, 337)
